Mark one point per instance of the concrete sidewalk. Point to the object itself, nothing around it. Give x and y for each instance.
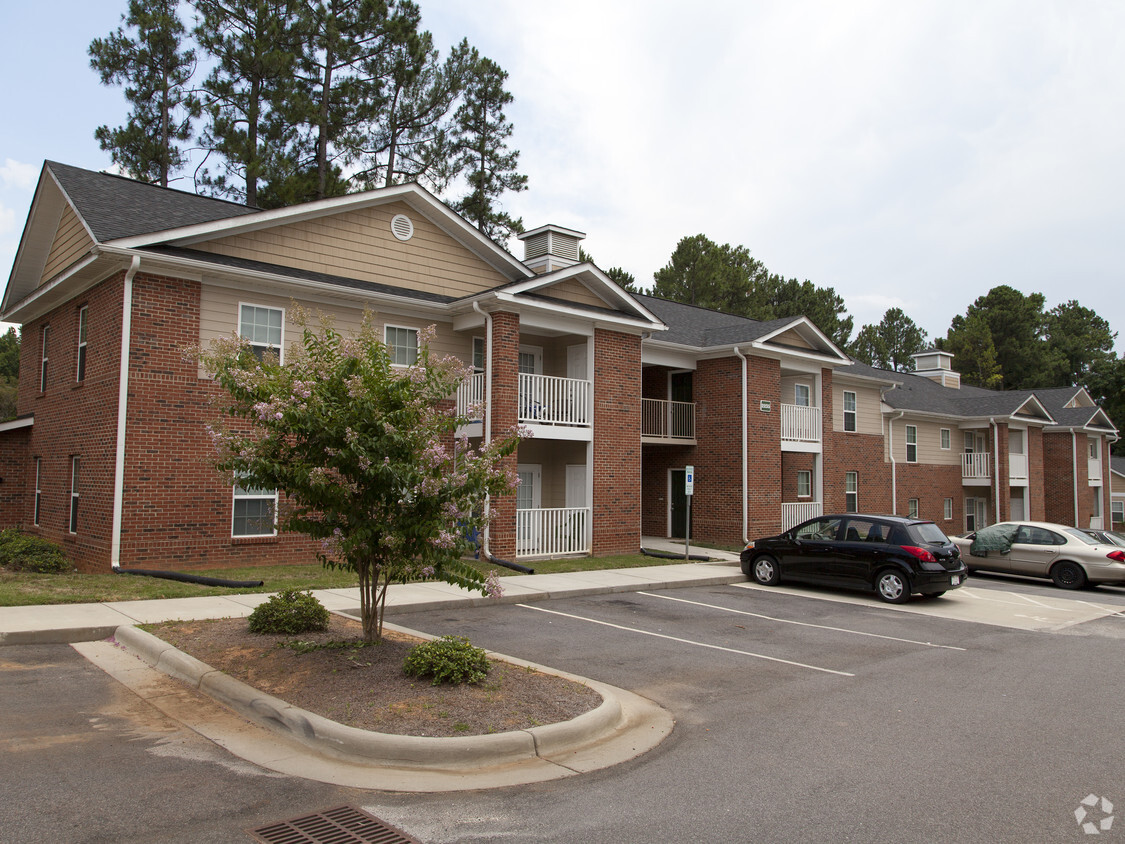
(63, 623)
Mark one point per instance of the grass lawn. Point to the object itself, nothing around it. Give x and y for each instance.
(23, 589)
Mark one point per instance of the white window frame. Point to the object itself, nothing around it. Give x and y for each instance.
(1096, 507)
(75, 469)
(804, 481)
(911, 443)
(241, 494)
(806, 395)
(946, 439)
(1116, 510)
(1092, 444)
(38, 510)
(393, 348)
(267, 346)
(853, 413)
(851, 488)
(912, 507)
(479, 346)
(80, 363)
(947, 509)
(44, 337)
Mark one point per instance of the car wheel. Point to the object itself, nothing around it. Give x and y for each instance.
(765, 571)
(892, 586)
(1067, 575)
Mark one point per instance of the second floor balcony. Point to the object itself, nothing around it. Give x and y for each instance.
(543, 400)
(975, 468)
(667, 421)
(800, 424)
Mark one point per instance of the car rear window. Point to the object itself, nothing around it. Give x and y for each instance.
(929, 533)
(1084, 537)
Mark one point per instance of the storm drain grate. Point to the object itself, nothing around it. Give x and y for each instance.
(342, 825)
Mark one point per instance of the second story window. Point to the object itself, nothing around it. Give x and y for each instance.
(849, 411)
(478, 354)
(261, 326)
(801, 395)
(911, 443)
(946, 441)
(80, 374)
(43, 363)
(1093, 445)
(402, 344)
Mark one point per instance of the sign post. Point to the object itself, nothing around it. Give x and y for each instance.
(689, 488)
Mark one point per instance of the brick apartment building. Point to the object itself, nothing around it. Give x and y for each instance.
(109, 454)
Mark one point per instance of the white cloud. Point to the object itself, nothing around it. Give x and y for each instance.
(19, 176)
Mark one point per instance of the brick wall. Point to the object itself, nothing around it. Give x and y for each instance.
(16, 490)
(1036, 476)
(617, 443)
(1058, 486)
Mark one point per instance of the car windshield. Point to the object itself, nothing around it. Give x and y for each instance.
(1081, 535)
(929, 532)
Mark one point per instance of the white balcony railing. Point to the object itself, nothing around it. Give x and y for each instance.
(551, 531)
(800, 423)
(1017, 467)
(668, 420)
(470, 397)
(975, 466)
(546, 400)
(793, 514)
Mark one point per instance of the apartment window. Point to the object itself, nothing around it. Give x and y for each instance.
(849, 411)
(804, 483)
(1117, 511)
(43, 363)
(402, 344)
(254, 512)
(970, 442)
(851, 492)
(262, 327)
(38, 491)
(801, 395)
(80, 374)
(946, 440)
(478, 354)
(912, 508)
(975, 513)
(1093, 445)
(911, 443)
(74, 463)
(947, 509)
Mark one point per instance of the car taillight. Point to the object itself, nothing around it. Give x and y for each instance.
(1117, 556)
(922, 554)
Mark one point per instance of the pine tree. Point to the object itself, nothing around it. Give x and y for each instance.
(481, 151)
(156, 71)
(253, 43)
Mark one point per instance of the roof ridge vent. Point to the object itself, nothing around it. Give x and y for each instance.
(549, 248)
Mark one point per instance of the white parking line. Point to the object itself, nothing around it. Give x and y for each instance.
(801, 623)
(687, 641)
(1113, 611)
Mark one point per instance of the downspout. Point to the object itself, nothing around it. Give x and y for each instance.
(996, 465)
(894, 464)
(122, 408)
(1074, 470)
(745, 455)
(487, 421)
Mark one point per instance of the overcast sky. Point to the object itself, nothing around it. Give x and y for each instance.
(911, 154)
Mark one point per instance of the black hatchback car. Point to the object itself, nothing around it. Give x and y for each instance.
(892, 555)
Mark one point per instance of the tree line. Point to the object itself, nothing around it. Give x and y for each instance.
(1005, 339)
(277, 102)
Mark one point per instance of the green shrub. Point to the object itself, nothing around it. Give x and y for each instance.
(450, 659)
(20, 552)
(289, 612)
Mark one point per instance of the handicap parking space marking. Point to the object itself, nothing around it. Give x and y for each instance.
(687, 641)
(802, 623)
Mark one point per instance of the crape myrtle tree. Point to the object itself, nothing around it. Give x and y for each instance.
(364, 451)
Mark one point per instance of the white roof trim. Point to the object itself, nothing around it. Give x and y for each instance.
(14, 424)
(591, 273)
(806, 325)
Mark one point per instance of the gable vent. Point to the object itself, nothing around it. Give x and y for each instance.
(402, 227)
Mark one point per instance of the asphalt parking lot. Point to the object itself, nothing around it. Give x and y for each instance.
(801, 716)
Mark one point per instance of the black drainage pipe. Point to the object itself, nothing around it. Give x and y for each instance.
(513, 566)
(193, 578)
(668, 555)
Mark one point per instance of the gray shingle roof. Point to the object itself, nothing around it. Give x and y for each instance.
(114, 206)
(690, 325)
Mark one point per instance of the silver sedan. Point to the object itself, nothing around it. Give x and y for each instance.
(1069, 556)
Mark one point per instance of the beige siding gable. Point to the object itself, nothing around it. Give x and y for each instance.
(359, 244)
(792, 338)
(71, 243)
(574, 291)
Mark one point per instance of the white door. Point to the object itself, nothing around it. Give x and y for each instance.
(531, 387)
(528, 506)
(577, 531)
(576, 361)
(1019, 511)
